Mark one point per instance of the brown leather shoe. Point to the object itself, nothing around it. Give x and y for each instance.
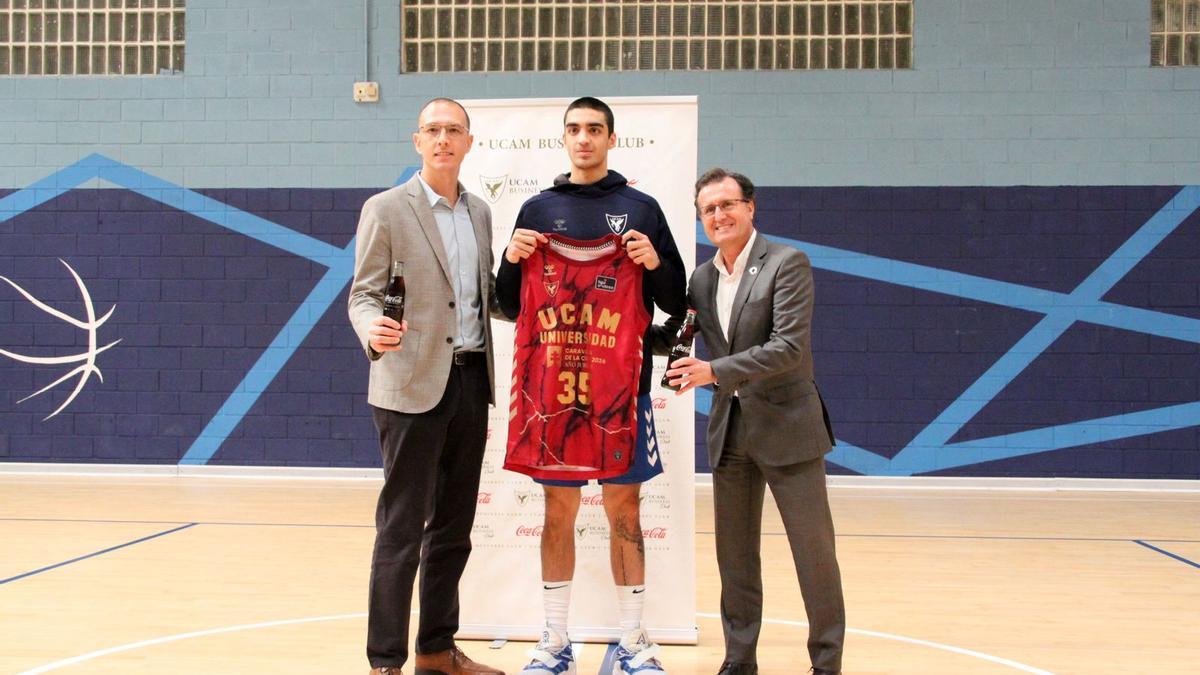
(451, 662)
(387, 670)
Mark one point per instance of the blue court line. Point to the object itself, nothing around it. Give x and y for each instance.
(97, 553)
(1167, 553)
(606, 665)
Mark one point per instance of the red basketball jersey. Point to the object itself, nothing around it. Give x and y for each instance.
(578, 353)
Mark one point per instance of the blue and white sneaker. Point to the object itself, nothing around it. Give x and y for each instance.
(552, 655)
(636, 655)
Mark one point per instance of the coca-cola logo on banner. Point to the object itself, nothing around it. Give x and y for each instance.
(655, 533)
(484, 498)
(592, 500)
(659, 403)
(529, 530)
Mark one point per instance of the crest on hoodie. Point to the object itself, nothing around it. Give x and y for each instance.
(617, 223)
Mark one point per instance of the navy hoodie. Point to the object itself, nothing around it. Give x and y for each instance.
(585, 212)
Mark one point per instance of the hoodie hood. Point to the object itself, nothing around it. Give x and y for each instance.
(612, 182)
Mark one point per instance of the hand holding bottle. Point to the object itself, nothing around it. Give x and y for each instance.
(688, 373)
(386, 334)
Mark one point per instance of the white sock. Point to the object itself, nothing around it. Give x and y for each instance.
(556, 599)
(629, 603)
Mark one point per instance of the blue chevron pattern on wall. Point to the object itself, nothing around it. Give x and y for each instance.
(934, 446)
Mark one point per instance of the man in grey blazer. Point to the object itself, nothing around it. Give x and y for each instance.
(767, 425)
(430, 387)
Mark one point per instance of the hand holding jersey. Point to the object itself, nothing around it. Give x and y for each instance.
(522, 245)
(641, 249)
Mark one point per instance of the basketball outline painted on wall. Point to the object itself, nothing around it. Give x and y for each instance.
(88, 366)
(338, 261)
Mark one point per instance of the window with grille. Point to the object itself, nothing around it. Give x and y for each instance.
(1175, 32)
(528, 35)
(91, 37)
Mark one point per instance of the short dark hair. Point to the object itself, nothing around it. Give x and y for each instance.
(717, 174)
(443, 99)
(592, 103)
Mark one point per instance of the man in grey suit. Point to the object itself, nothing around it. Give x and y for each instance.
(430, 387)
(767, 426)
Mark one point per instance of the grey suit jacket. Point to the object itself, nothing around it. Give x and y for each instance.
(399, 225)
(767, 358)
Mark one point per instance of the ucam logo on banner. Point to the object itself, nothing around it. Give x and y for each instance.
(517, 153)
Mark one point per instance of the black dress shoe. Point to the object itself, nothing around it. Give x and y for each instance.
(729, 668)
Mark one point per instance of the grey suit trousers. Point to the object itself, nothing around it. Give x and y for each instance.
(739, 483)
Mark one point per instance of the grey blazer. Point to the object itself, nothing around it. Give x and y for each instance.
(399, 225)
(767, 358)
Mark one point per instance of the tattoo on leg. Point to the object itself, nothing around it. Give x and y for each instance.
(628, 531)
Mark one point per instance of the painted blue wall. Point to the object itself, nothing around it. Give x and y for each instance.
(1003, 237)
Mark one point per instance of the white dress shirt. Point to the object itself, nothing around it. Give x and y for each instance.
(727, 282)
(462, 255)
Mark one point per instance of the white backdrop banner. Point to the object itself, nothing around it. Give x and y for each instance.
(517, 153)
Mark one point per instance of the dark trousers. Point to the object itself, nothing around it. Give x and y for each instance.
(431, 464)
(799, 491)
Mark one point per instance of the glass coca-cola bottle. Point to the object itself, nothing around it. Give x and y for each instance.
(683, 345)
(393, 297)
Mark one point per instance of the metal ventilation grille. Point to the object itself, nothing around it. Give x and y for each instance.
(1175, 32)
(91, 37)
(524, 35)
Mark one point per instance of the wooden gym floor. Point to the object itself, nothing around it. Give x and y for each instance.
(216, 575)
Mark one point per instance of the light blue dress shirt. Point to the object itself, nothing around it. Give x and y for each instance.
(462, 254)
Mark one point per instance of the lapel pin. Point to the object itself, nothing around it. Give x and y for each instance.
(753, 270)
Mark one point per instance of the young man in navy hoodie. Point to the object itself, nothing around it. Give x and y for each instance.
(590, 202)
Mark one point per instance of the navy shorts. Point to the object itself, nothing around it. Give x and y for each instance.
(647, 460)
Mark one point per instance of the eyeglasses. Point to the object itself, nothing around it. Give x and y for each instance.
(453, 131)
(711, 209)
